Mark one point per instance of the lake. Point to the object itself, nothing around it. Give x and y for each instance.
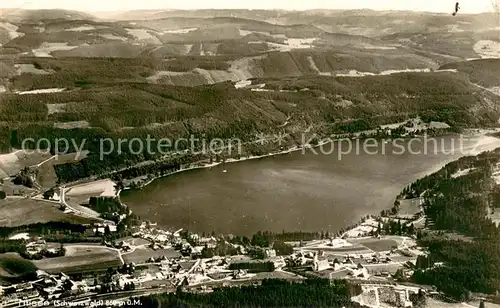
(299, 191)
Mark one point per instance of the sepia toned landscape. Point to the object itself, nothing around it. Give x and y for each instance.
(222, 158)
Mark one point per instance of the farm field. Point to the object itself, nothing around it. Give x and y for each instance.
(409, 207)
(13, 190)
(346, 251)
(75, 250)
(378, 245)
(12, 265)
(80, 203)
(46, 176)
(141, 255)
(12, 163)
(390, 268)
(104, 188)
(358, 246)
(22, 211)
(81, 258)
(276, 275)
(134, 241)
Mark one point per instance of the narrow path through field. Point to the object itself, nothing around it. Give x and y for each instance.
(43, 162)
(77, 212)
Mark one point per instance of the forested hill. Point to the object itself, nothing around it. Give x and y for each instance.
(459, 201)
(94, 110)
(235, 73)
(271, 293)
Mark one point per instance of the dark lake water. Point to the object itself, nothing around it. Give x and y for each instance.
(298, 191)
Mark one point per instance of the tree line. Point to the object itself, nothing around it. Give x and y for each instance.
(271, 293)
(461, 235)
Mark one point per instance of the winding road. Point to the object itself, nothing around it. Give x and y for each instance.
(62, 201)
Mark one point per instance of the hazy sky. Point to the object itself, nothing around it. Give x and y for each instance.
(445, 6)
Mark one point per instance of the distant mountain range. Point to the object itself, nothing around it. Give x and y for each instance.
(238, 72)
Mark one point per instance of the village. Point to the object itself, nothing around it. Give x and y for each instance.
(154, 260)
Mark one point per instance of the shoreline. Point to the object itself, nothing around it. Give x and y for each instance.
(194, 166)
(481, 133)
(228, 161)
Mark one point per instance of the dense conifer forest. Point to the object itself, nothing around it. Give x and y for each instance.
(93, 109)
(460, 235)
(271, 293)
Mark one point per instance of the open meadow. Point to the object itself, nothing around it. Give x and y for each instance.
(141, 255)
(103, 188)
(47, 176)
(357, 246)
(23, 211)
(82, 258)
(377, 245)
(409, 207)
(12, 163)
(12, 265)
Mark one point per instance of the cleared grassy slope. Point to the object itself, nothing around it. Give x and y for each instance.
(312, 104)
(442, 96)
(485, 72)
(12, 266)
(71, 72)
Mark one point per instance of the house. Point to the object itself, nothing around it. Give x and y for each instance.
(154, 246)
(279, 262)
(411, 264)
(320, 265)
(55, 197)
(338, 267)
(35, 246)
(198, 268)
(196, 250)
(53, 292)
(162, 238)
(176, 268)
(270, 253)
(210, 242)
(241, 274)
(41, 274)
(102, 229)
(197, 279)
(359, 272)
(124, 246)
(50, 281)
(194, 237)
